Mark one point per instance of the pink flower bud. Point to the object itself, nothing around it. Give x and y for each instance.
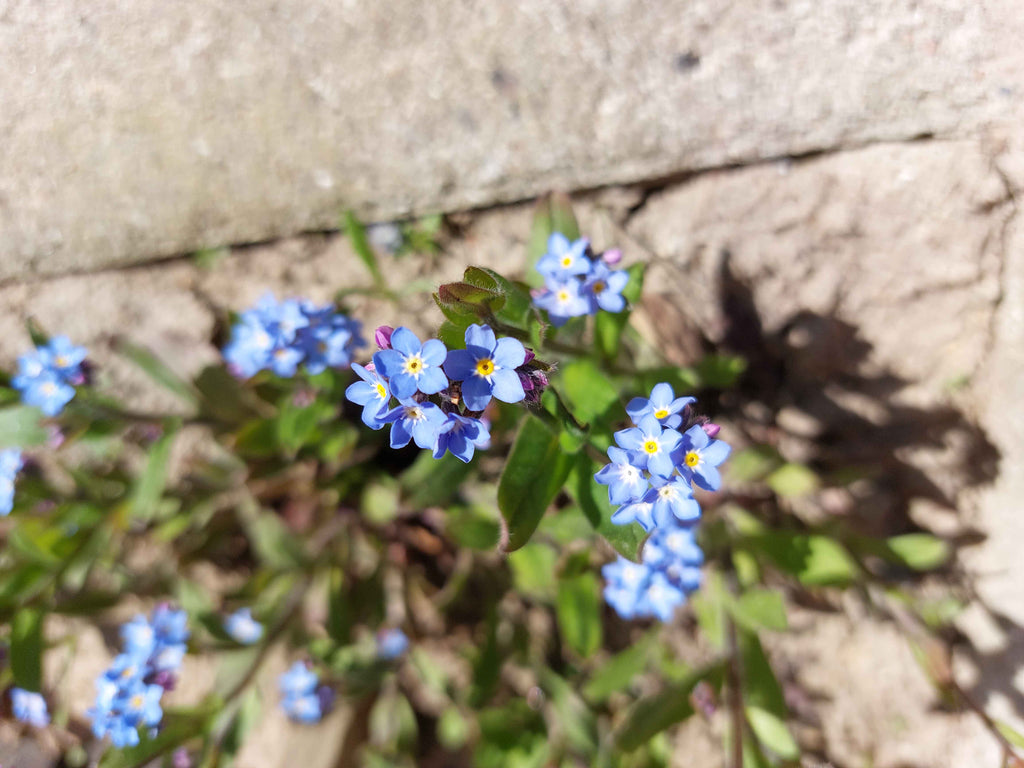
(711, 429)
(612, 257)
(383, 336)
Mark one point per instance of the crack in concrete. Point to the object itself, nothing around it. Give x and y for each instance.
(1001, 254)
(648, 188)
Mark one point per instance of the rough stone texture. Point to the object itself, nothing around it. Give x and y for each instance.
(157, 128)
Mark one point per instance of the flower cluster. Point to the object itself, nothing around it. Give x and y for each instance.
(279, 336)
(29, 707)
(650, 478)
(442, 394)
(10, 465)
(242, 627)
(304, 699)
(128, 693)
(577, 281)
(48, 375)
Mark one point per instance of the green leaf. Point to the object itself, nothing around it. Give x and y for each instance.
(759, 609)
(814, 559)
(224, 397)
(242, 722)
(563, 219)
(297, 425)
(380, 501)
(792, 480)
(533, 570)
(653, 714)
(588, 389)
(720, 371)
(578, 608)
(534, 473)
(620, 671)
(754, 463)
(760, 687)
(393, 722)
(773, 733)
(149, 486)
(21, 427)
(1010, 734)
(593, 501)
(158, 371)
(609, 326)
(453, 730)
(275, 545)
(27, 649)
(709, 608)
(518, 304)
(920, 551)
(361, 245)
(431, 482)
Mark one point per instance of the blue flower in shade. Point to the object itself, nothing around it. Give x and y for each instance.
(461, 436)
(603, 288)
(391, 644)
(564, 259)
(660, 597)
(486, 368)
(281, 336)
(138, 636)
(170, 625)
(663, 405)
(650, 445)
(243, 627)
(698, 456)
(635, 512)
(248, 352)
(625, 581)
(302, 700)
(410, 366)
(29, 707)
(139, 704)
(625, 481)
(299, 680)
(668, 574)
(64, 358)
(128, 692)
(562, 299)
(372, 393)
(672, 499)
(284, 361)
(48, 391)
(303, 709)
(675, 550)
(419, 422)
(10, 465)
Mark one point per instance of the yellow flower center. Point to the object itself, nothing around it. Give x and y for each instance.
(61, 361)
(484, 366)
(567, 261)
(414, 413)
(137, 701)
(692, 459)
(651, 446)
(413, 365)
(666, 492)
(661, 413)
(563, 296)
(381, 392)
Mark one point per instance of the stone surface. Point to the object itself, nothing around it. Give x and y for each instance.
(158, 128)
